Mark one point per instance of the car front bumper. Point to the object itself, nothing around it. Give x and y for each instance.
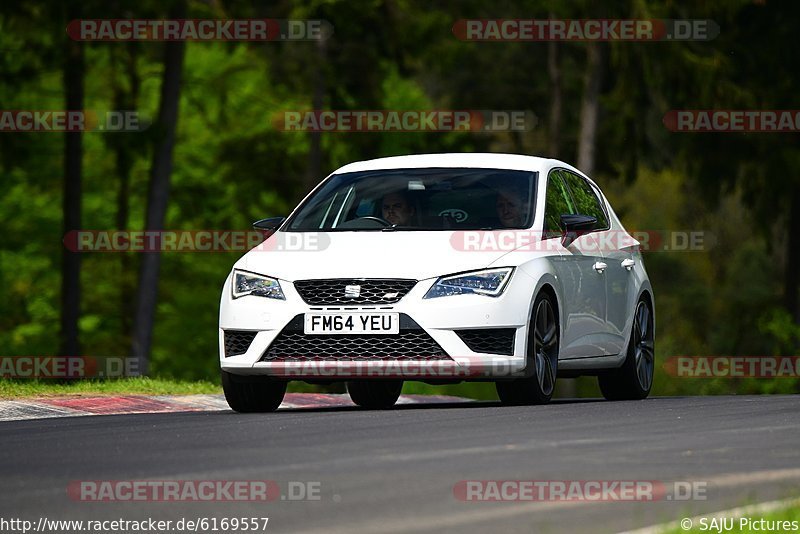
(440, 318)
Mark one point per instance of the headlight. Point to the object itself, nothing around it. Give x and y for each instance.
(245, 283)
(490, 282)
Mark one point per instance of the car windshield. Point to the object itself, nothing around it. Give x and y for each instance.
(420, 199)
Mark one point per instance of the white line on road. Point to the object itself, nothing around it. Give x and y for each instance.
(482, 514)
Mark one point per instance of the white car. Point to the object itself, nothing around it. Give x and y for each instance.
(440, 268)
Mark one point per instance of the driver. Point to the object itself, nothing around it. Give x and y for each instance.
(397, 208)
(511, 209)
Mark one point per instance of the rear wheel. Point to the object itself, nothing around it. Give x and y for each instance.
(252, 394)
(542, 359)
(634, 379)
(374, 394)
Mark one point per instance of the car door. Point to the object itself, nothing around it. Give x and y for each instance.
(616, 275)
(621, 253)
(583, 286)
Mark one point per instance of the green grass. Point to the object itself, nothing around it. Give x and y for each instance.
(164, 386)
(122, 386)
(791, 513)
(583, 387)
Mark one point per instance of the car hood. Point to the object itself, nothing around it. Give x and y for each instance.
(404, 254)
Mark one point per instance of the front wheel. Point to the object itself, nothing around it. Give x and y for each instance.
(634, 379)
(542, 358)
(252, 394)
(374, 394)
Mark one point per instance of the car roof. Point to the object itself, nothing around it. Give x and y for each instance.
(457, 160)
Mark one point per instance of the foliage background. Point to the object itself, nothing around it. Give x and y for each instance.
(231, 166)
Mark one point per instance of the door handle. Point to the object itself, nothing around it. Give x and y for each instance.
(628, 264)
(599, 267)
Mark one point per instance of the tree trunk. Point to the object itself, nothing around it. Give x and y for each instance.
(554, 73)
(123, 67)
(125, 157)
(73, 152)
(590, 107)
(157, 197)
(315, 150)
(792, 276)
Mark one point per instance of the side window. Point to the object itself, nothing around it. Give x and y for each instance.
(586, 201)
(557, 203)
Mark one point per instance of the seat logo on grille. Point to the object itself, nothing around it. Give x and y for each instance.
(352, 292)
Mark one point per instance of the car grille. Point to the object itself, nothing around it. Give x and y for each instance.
(489, 340)
(412, 343)
(237, 342)
(371, 291)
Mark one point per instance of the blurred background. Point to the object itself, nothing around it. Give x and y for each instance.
(214, 159)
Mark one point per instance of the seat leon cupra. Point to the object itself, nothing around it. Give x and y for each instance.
(440, 268)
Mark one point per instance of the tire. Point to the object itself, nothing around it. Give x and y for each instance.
(252, 394)
(634, 380)
(542, 358)
(374, 395)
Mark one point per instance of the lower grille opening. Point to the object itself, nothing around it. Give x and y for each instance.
(237, 342)
(412, 343)
(489, 340)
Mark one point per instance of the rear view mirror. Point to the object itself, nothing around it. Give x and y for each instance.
(574, 226)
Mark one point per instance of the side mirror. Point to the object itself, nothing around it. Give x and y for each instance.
(575, 226)
(269, 225)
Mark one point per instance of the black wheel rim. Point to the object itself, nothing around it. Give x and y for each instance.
(545, 346)
(643, 346)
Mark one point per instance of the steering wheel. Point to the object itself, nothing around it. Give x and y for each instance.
(366, 223)
(376, 219)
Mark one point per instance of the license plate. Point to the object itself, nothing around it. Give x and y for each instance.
(352, 323)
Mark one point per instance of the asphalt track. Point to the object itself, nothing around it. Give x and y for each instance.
(395, 470)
